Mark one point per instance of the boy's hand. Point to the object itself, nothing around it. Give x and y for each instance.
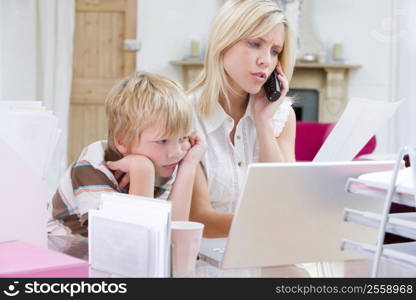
(197, 150)
(128, 164)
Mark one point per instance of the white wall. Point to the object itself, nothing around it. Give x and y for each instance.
(365, 30)
(363, 27)
(164, 28)
(17, 64)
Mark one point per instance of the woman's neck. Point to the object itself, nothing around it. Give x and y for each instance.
(238, 105)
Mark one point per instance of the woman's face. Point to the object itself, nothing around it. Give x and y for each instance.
(249, 62)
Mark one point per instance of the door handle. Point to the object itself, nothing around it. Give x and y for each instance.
(132, 45)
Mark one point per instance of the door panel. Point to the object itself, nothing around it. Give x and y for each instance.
(99, 62)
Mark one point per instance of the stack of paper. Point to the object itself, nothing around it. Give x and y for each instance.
(31, 131)
(23, 200)
(404, 182)
(130, 236)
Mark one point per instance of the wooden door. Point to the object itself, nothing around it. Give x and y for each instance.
(99, 61)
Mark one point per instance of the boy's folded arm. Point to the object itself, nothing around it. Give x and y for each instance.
(181, 193)
(140, 171)
(142, 176)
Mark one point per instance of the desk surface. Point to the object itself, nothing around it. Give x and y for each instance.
(78, 247)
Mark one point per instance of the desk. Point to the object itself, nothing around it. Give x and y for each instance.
(78, 247)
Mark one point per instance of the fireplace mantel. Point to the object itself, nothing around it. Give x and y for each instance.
(330, 80)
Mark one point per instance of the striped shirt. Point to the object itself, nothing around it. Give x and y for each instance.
(81, 187)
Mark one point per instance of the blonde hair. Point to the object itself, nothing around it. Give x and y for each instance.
(238, 20)
(142, 100)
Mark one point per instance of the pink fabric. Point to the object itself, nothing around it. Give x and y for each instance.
(19, 259)
(311, 135)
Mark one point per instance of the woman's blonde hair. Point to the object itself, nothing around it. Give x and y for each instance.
(238, 20)
(142, 100)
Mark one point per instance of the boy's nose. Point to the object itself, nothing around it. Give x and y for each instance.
(174, 151)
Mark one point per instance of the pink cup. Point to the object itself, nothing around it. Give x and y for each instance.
(186, 240)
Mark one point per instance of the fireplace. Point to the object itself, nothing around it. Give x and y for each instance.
(327, 84)
(305, 104)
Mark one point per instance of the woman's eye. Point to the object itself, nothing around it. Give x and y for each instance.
(161, 142)
(254, 44)
(275, 52)
(184, 139)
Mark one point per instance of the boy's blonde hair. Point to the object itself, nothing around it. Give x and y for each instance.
(142, 100)
(235, 21)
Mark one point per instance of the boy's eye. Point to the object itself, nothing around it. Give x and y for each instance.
(184, 139)
(161, 142)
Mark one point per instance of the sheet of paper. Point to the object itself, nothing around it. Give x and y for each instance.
(121, 247)
(145, 222)
(362, 118)
(32, 134)
(23, 200)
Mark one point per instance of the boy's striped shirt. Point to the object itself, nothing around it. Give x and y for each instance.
(81, 187)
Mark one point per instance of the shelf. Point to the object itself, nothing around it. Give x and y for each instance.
(369, 189)
(402, 253)
(302, 65)
(314, 65)
(403, 224)
(197, 63)
(396, 186)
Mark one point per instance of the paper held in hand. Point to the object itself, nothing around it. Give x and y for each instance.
(130, 236)
(362, 118)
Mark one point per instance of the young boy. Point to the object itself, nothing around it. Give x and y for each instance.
(149, 152)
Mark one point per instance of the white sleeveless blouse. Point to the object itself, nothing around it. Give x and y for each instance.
(226, 164)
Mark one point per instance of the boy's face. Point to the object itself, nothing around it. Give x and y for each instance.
(165, 152)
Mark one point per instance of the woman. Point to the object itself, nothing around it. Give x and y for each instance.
(249, 39)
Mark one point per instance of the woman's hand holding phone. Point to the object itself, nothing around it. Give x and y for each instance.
(263, 108)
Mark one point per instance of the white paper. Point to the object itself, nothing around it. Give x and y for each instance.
(145, 222)
(361, 120)
(31, 131)
(404, 181)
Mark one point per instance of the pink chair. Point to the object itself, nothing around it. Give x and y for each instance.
(311, 135)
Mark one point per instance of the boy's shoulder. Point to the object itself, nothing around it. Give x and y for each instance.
(90, 169)
(93, 154)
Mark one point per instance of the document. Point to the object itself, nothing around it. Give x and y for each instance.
(31, 131)
(130, 236)
(23, 200)
(361, 120)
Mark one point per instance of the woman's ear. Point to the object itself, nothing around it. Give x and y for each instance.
(120, 145)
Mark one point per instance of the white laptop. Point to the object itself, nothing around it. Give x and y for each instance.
(291, 213)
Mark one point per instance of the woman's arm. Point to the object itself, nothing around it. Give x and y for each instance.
(217, 224)
(287, 137)
(181, 193)
(281, 148)
(274, 149)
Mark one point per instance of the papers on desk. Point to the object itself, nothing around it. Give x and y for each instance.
(360, 121)
(130, 236)
(31, 131)
(23, 200)
(382, 180)
(28, 136)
